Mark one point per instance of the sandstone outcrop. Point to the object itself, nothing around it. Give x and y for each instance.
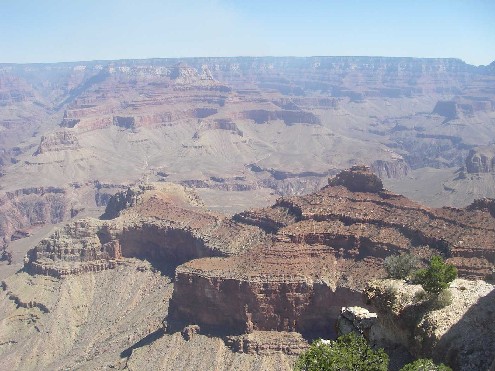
(357, 179)
(356, 319)
(218, 124)
(123, 200)
(268, 342)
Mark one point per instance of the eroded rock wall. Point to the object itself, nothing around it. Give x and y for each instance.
(231, 305)
(23, 208)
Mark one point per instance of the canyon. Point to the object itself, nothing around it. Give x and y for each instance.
(263, 282)
(230, 206)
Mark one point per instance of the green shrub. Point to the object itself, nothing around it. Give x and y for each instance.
(433, 301)
(420, 295)
(437, 276)
(442, 300)
(425, 365)
(348, 352)
(400, 266)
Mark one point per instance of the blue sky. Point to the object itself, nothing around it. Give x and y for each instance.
(71, 30)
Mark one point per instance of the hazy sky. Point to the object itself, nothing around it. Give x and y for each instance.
(70, 30)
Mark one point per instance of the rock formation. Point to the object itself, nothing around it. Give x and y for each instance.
(141, 116)
(319, 235)
(263, 277)
(459, 334)
(58, 141)
(257, 128)
(323, 249)
(358, 179)
(481, 160)
(162, 223)
(24, 208)
(447, 109)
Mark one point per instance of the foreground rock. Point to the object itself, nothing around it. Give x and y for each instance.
(461, 334)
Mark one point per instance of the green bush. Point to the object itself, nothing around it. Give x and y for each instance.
(348, 352)
(420, 295)
(400, 266)
(433, 301)
(437, 276)
(442, 300)
(425, 365)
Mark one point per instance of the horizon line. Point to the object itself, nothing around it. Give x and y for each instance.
(242, 56)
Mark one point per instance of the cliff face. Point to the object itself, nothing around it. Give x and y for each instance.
(390, 169)
(220, 303)
(325, 246)
(162, 223)
(121, 201)
(24, 208)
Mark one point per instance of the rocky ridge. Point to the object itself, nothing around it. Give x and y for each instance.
(58, 141)
(258, 285)
(160, 223)
(279, 268)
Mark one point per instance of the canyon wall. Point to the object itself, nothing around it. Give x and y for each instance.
(235, 305)
(23, 208)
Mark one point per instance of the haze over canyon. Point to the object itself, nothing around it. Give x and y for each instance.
(177, 213)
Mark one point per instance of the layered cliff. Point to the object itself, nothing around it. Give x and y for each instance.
(325, 247)
(198, 118)
(27, 207)
(58, 141)
(162, 223)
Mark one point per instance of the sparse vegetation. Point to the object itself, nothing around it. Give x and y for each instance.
(437, 276)
(442, 300)
(434, 301)
(401, 266)
(348, 352)
(425, 365)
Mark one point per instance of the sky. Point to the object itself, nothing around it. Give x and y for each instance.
(81, 30)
